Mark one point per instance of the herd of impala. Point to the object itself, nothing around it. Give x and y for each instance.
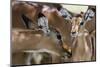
(45, 33)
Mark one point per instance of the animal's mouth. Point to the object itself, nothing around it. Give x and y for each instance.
(68, 54)
(74, 34)
(68, 51)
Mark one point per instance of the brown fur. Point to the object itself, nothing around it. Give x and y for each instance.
(26, 9)
(34, 41)
(60, 24)
(82, 40)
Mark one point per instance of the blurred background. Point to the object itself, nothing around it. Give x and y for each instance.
(75, 8)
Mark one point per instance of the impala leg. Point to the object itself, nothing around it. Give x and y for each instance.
(37, 58)
(29, 58)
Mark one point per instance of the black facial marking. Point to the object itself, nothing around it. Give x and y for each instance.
(81, 23)
(40, 15)
(26, 20)
(64, 16)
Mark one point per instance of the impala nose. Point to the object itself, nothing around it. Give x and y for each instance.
(73, 32)
(81, 23)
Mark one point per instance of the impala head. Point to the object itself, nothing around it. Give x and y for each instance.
(76, 25)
